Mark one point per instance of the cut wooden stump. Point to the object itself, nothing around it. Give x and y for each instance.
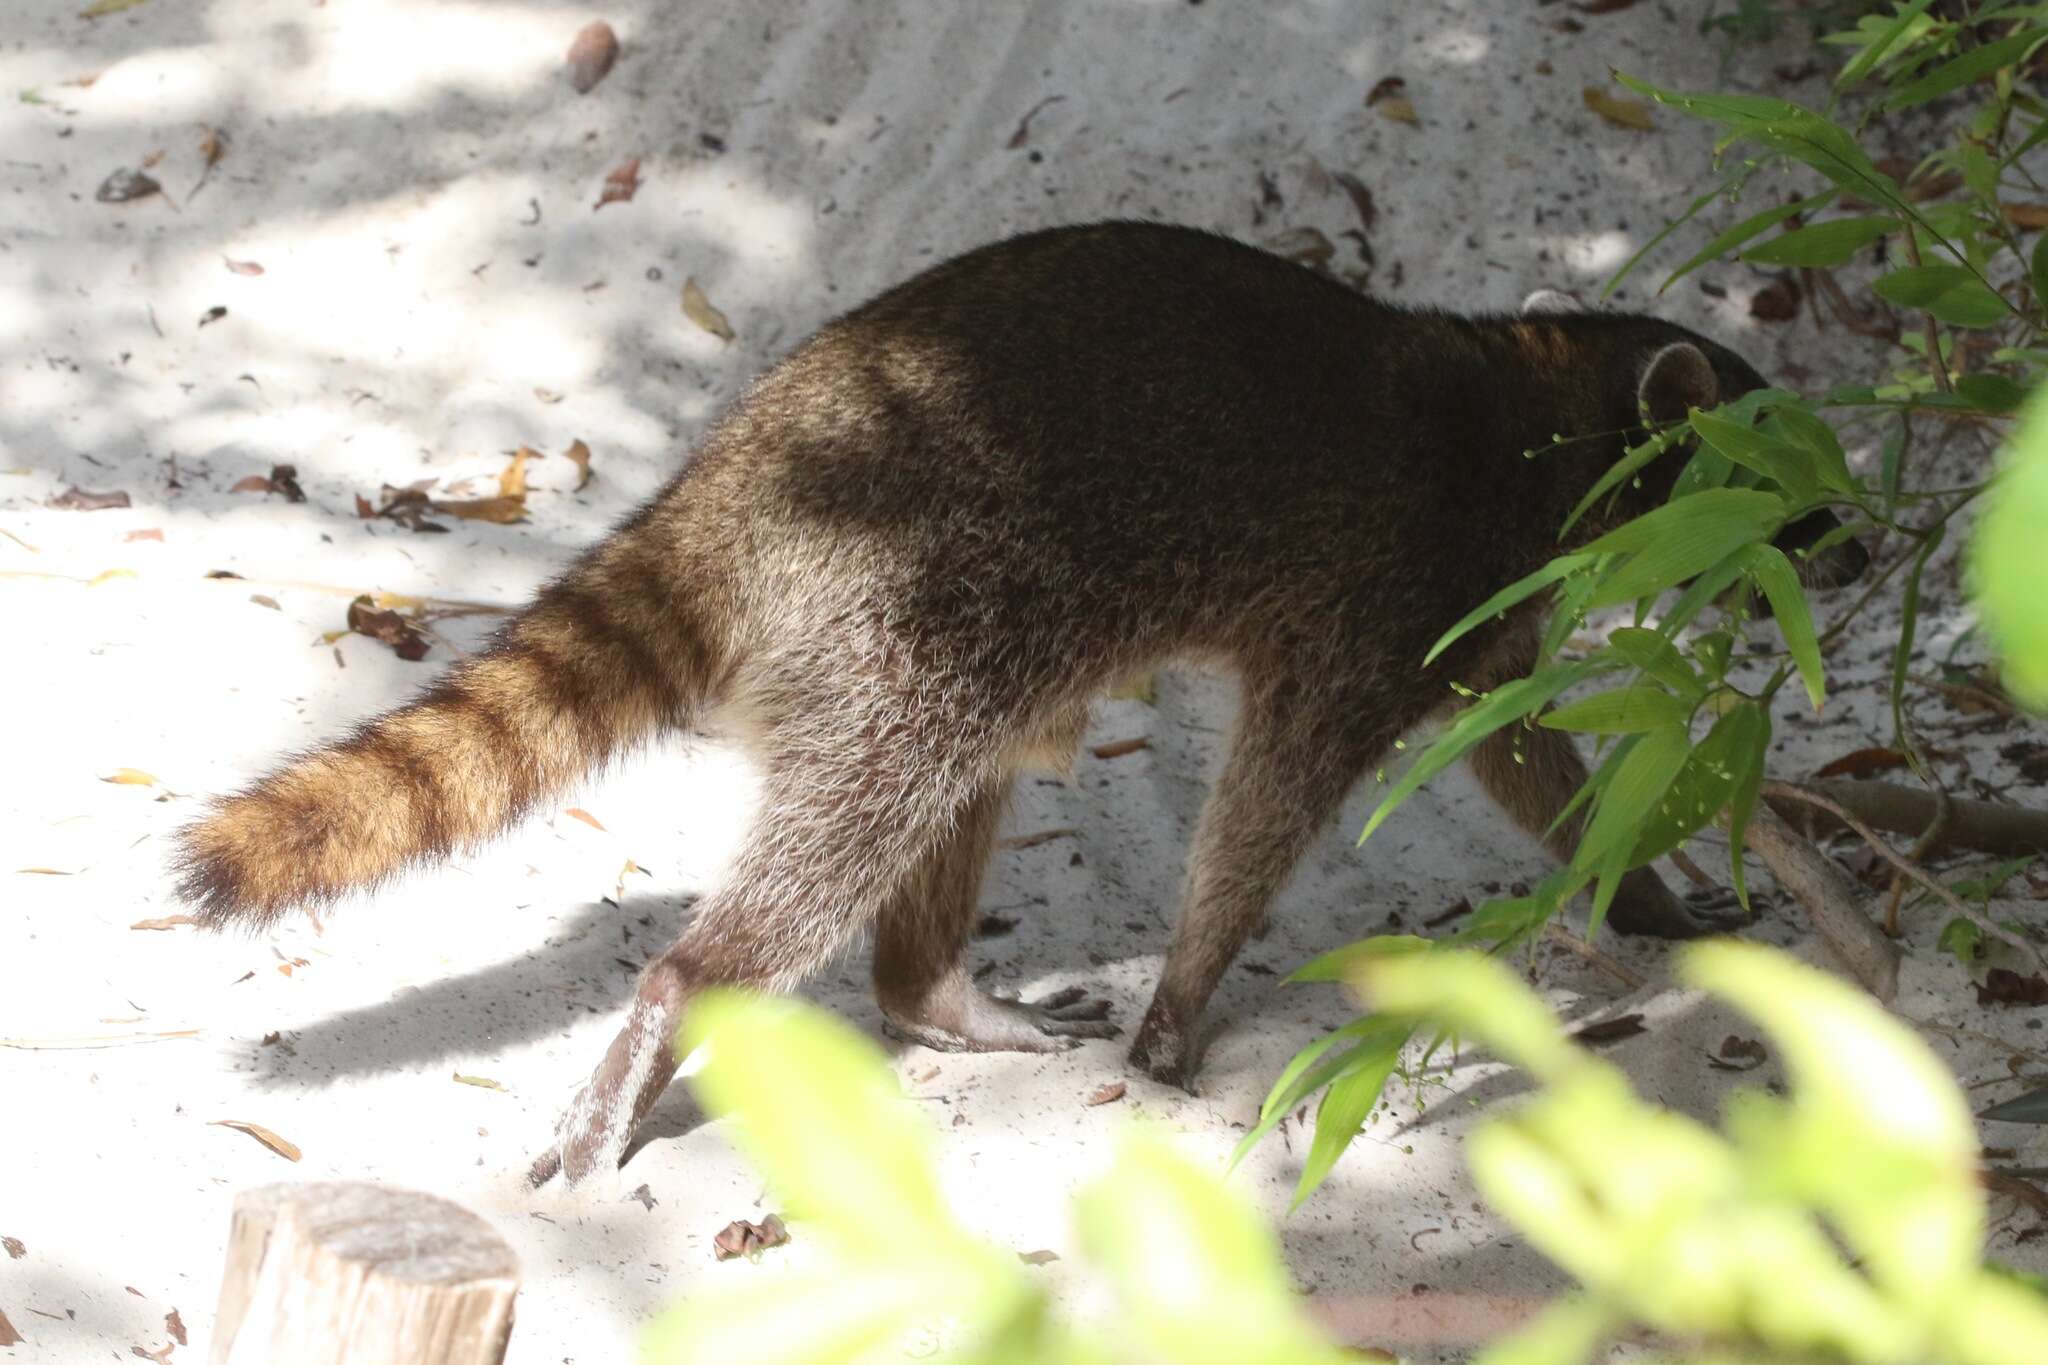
(351, 1274)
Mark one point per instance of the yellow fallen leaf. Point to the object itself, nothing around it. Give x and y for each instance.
(130, 777)
(699, 310)
(512, 483)
(101, 8)
(1623, 113)
(502, 511)
(481, 1082)
(1398, 108)
(578, 813)
(283, 1147)
(579, 454)
(109, 576)
(43, 871)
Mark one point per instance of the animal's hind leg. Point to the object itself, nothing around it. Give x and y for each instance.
(851, 804)
(921, 978)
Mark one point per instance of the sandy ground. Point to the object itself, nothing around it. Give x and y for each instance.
(416, 182)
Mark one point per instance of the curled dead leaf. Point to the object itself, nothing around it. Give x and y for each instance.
(698, 309)
(620, 186)
(742, 1238)
(1617, 110)
(125, 186)
(591, 55)
(579, 455)
(388, 627)
(1107, 1093)
(284, 1147)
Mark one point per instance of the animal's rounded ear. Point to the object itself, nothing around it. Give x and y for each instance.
(1677, 379)
(1550, 301)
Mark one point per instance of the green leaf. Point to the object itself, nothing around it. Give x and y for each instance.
(1623, 711)
(1753, 449)
(1780, 583)
(2031, 1107)
(1632, 460)
(1975, 63)
(1713, 772)
(1817, 440)
(1961, 938)
(1657, 657)
(2009, 559)
(2037, 262)
(1638, 784)
(1752, 226)
(1502, 706)
(1199, 1278)
(1614, 281)
(1519, 591)
(1860, 65)
(1475, 997)
(1992, 393)
(1822, 244)
(789, 1075)
(1950, 292)
(1680, 539)
(1780, 126)
(1341, 1114)
(1340, 963)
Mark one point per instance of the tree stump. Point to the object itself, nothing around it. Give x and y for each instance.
(356, 1274)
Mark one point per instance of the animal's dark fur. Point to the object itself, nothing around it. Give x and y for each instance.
(907, 558)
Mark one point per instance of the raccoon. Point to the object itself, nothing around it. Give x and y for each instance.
(903, 562)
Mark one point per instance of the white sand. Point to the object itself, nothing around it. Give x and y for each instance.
(385, 164)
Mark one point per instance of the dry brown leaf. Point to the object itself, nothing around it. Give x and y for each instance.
(363, 508)
(1119, 747)
(1609, 1030)
(591, 55)
(253, 483)
(547, 395)
(148, 533)
(213, 314)
(698, 309)
(1360, 196)
(8, 1336)
(1304, 246)
(1384, 87)
(1044, 836)
(1400, 109)
(579, 455)
(620, 186)
(1865, 763)
(175, 1325)
(264, 599)
(79, 500)
(1622, 113)
(149, 162)
(1037, 1257)
(164, 922)
(131, 777)
(1777, 301)
(364, 618)
(578, 813)
(1107, 1093)
(242, 267)
(283, 1147)
(14, 1247)
(2026, 217)
(1022, 133)
(213, 145)
(480, 1082)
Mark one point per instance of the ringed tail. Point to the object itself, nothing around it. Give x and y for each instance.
(603, 659)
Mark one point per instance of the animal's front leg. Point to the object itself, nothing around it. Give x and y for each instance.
(1294, 758)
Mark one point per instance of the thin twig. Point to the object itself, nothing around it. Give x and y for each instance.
(97, 1040)
(1972, 1035)
(1988, 926)
(1936, 364)
(1556, 933)
(1692, 870)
